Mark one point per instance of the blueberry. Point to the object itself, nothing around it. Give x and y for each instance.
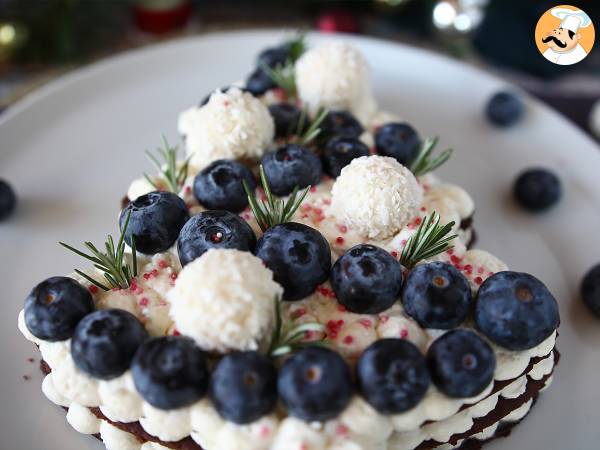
(315, 384)
(340, 124)
(392, 375)
(399, 141)
(537, 189)
(437, 295)
(170, 372)
(298, 255)
(339, 152)
(461, 363)
(259, 82)
(515, 310)
(243, 387)
(8, 200)
(504, 109)
(590, 290)
(156, 220)
(291, 166)
(214, 229)
(274, 56)
(366, 279)
(219, 186)
(105, 342)
(54, 308)
(286, 117)
(205, 100)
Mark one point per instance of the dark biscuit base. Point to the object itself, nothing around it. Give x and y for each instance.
(502, 409)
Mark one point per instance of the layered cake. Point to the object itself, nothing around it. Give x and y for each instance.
(299, 280)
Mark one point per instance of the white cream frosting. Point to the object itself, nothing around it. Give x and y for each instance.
(335, 75)
(225, 300)
(233, 124)
(376, 196)
(83, 420)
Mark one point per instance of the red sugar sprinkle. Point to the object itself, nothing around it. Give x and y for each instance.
(306, 207)
(468, 267)
(341, 308)
(144, 301)
(423, 209)
(305, 216)
(418, 221)
(188, 190)
(265, 431)
(403, 242)
(490, 274)
(366, 323)
(320, 219)
(318, 211)
(298, 313)
(343, 229)
(313, 189)
(410, 226)
(394, 253)
(339, 240)
(162, 264)
(154, 272)
(455, 259)
(226, 103)
(384, 318)
(478, 280)
(348, 340)
(404, 333)
(341, 430)
(327, 201)
(450, 251)
(173, 276)
(93, 289)
(176, 332)
(480, 270)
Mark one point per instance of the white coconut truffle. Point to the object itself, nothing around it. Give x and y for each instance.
(376, 196)
(335, 75)
(233, 124)
(225, 301)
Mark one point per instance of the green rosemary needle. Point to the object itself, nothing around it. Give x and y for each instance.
(117, 272)
(430, 239)
(273, 211)
(425, 162)
(174, 177)
(284, 342)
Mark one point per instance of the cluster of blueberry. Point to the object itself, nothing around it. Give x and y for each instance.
(315, 384)
(512, 309)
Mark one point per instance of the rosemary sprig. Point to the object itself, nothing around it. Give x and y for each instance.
(425, 162)
(296, 46)
(314, 127)
(283, 76)
(430, 239)
(117, 272)
(174, 177)
(273, 211)
(284, 342)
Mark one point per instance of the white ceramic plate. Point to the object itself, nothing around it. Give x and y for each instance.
(71, 148)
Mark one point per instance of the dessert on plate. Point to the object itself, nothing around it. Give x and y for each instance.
(300, 280)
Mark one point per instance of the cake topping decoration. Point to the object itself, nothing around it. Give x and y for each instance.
(170, 173)
(376, 196)
(224, 301)
(425, 163)
(273, 211)
(430, 240)
(113, 264)
(288, 341)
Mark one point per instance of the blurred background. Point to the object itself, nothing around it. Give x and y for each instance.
(42, 39)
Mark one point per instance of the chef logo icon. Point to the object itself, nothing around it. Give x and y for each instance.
(564, 35)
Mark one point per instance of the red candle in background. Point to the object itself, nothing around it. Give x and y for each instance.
(161, 16)
(337, 20)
